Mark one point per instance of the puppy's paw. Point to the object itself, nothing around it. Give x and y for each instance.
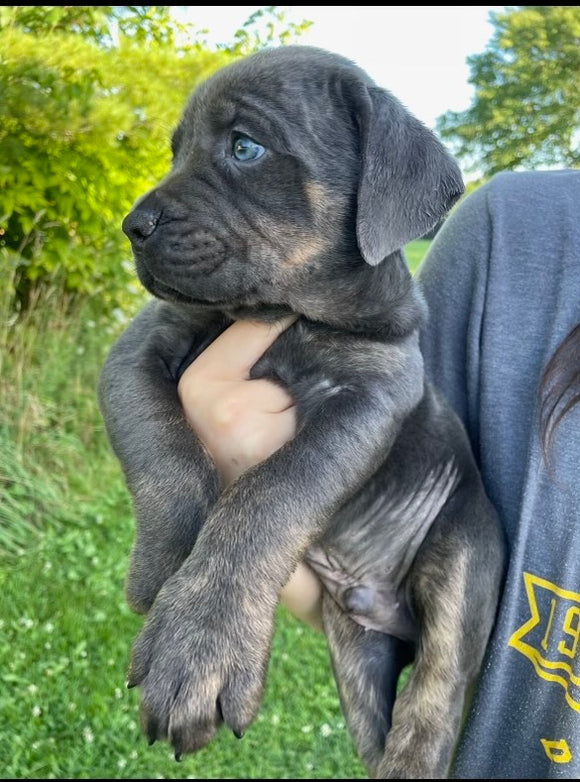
(200, 661)
(415, 754)
(404, 768)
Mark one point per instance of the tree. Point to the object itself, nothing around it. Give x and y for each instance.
(89, 97)
(526, 109)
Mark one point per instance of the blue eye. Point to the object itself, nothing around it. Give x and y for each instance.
(244, 148)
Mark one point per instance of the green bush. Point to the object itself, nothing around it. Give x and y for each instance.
(84, 131)
(90, 95)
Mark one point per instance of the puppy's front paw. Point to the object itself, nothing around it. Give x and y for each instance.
(200, 661)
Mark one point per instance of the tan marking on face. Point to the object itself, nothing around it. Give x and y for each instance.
(307, 246)
(304, 250)
(316, 196)
(296, 246)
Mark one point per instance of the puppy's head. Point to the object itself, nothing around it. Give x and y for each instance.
(292, 173)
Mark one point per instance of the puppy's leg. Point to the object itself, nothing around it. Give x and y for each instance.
(171, 478)
(169, 515)
(366, 666)
(455, 584)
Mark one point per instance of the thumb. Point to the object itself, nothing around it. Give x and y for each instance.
(232, 355)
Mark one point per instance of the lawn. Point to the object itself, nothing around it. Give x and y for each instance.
(66, 526)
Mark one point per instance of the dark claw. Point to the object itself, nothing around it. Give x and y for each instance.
(178, 747)
(130, 684)
(239, 734)
(152, 732)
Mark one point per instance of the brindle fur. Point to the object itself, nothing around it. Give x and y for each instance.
(378, 490)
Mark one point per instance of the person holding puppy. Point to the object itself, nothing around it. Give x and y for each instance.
(502, 284)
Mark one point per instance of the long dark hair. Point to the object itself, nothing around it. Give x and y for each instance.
(559, 388)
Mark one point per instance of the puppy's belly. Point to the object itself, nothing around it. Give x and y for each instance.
(374, 604)
(365, 557)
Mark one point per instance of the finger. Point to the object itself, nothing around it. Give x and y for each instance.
(224, 406)
(266, 396)
(285, 431)
(236, 350)
(254, 443)
(302, 596)
(256, 439)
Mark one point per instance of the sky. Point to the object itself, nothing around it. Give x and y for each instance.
(417, 52)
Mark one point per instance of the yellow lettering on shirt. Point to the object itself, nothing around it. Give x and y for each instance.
(549, 628)
(572, 628)
(557, 751)
(550, 637)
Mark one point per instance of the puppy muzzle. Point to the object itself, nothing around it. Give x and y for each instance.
(170, 252)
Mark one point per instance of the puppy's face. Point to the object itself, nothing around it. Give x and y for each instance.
(274, 161)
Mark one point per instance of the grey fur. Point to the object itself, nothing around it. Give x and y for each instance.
(378, 490)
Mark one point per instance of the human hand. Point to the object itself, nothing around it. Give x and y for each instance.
(242, 422)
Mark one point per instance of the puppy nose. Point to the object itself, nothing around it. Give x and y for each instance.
(141, 222)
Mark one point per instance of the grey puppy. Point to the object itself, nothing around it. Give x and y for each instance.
(295, 183)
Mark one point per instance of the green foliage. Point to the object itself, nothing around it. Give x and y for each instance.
(415, 252)
(90, 96)
(84, 130)
(267, 26)
(526, 110)
(92, 22)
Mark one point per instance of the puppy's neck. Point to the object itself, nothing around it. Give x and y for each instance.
(380, 300)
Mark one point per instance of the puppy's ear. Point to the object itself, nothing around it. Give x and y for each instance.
(408, 179)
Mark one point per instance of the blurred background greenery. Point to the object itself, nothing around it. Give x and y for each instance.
(88, 98)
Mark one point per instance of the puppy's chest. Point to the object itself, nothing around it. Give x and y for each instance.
(316, 367)
(365, 555)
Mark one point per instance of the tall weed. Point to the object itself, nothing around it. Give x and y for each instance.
(52, 443)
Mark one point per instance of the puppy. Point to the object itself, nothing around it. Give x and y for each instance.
(295, 184)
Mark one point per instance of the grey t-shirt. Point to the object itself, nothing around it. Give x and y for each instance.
(502, 282)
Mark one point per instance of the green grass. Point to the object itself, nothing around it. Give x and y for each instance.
(66, 527)
(64, 709)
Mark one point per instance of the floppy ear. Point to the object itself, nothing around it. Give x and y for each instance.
(408, 179)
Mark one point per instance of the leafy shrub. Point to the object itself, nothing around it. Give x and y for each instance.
(84, 130)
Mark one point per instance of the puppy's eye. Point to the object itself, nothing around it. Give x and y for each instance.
(244, 148)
